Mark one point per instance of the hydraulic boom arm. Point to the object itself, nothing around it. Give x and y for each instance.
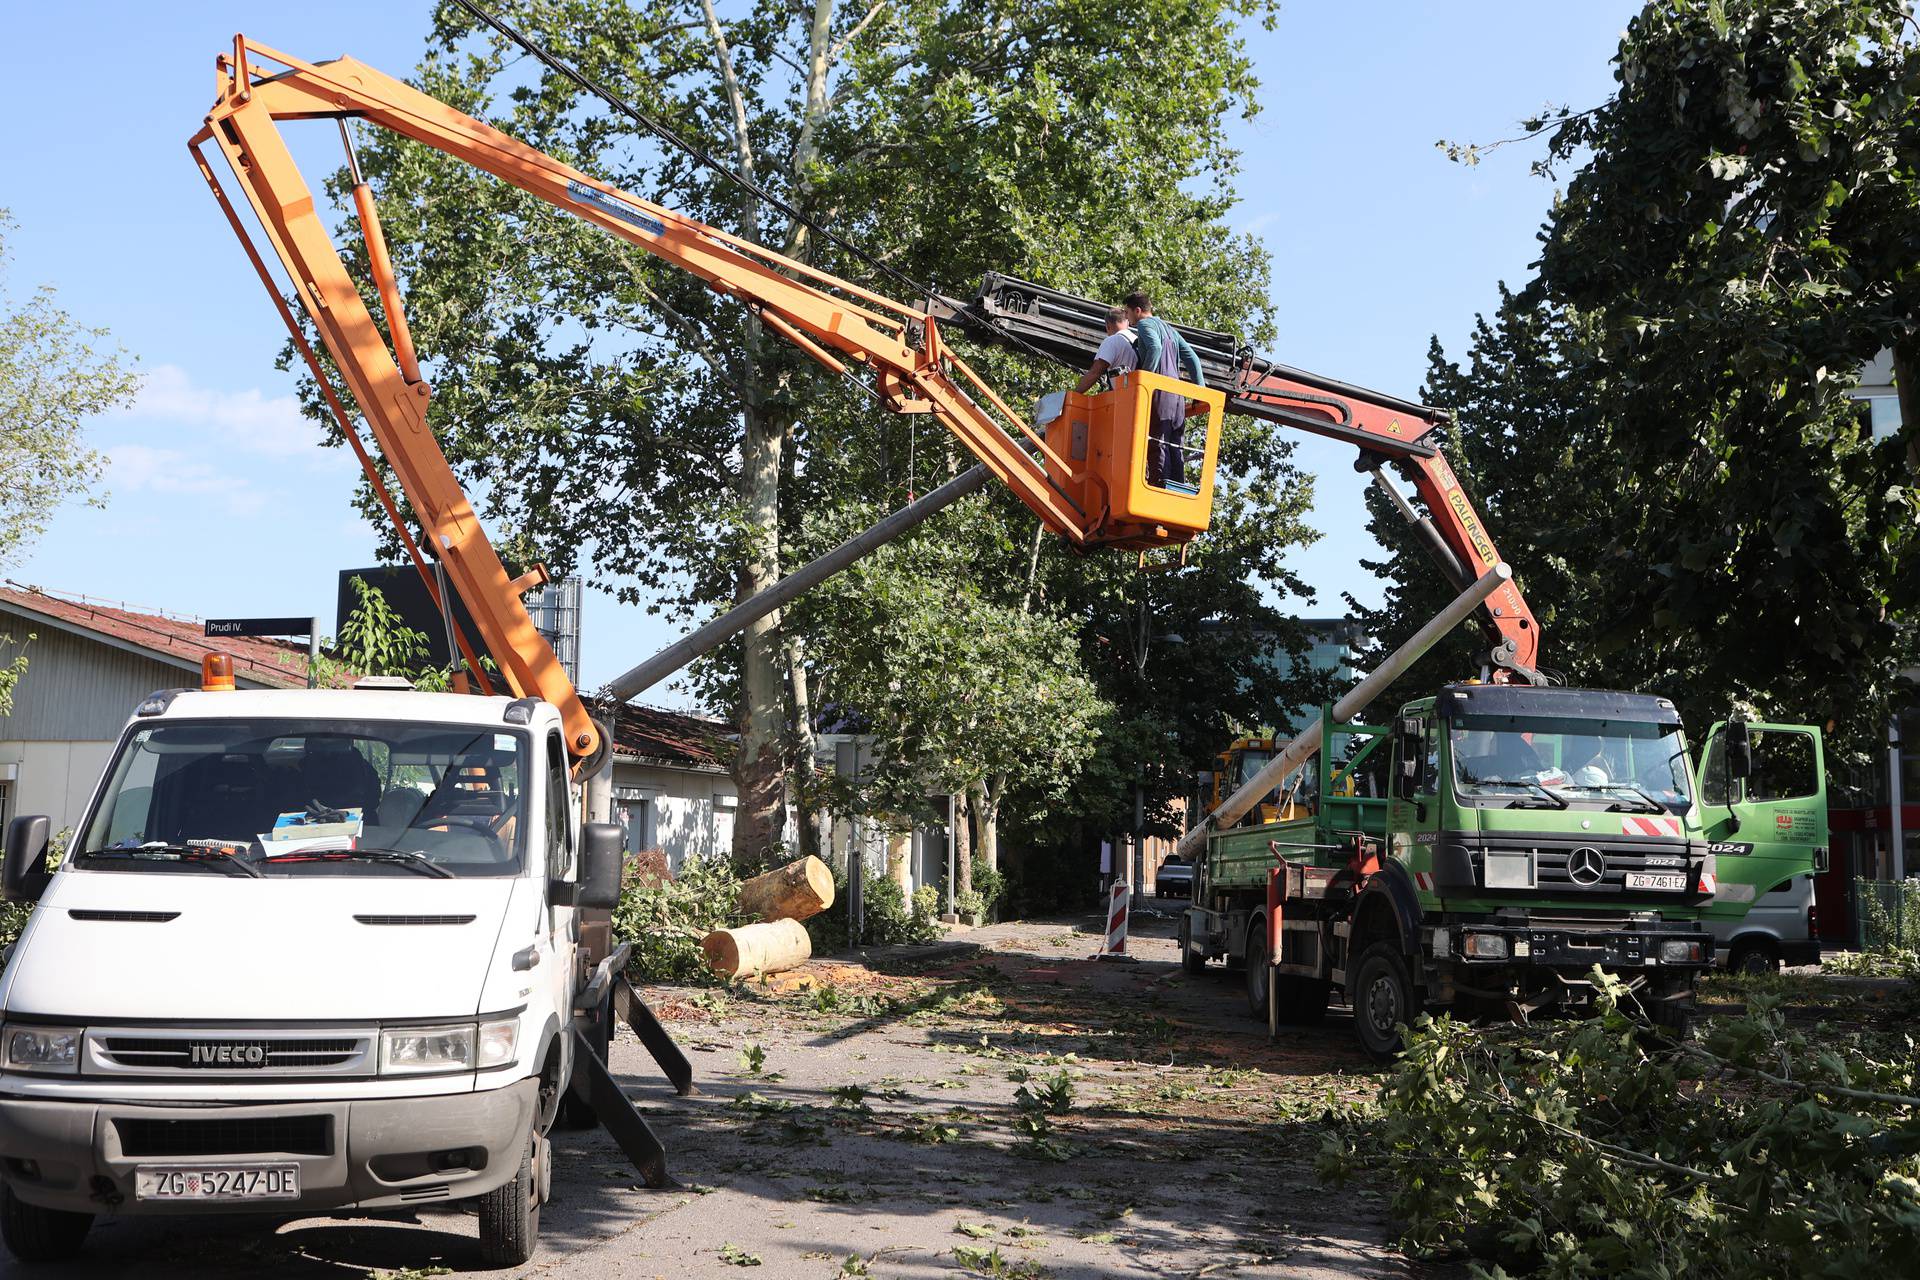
(1384, 428)
(839, 324)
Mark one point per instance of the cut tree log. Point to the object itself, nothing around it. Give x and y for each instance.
(753, 949)
(794, 892)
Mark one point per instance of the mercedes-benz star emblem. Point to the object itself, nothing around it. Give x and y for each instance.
(1587, 866)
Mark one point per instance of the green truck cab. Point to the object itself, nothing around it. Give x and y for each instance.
(1485, 851)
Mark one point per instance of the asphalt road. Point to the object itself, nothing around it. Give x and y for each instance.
(882, 1136)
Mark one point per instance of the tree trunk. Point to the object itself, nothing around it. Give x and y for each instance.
(753, 949)
(797, 891)
(962, 848)
(759, 769)
(985, 803)
(1906, 384)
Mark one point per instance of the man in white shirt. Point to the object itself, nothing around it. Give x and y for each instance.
(1116, 353)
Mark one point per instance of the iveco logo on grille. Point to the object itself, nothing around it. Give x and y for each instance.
(1587, 865)
(227, 1055)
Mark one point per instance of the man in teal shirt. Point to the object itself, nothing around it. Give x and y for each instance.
(1159, 348)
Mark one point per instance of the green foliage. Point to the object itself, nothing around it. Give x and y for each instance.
(11, 672)
(1889, 927)
(954, 685)
(989, 886)
(373, 641)
(666, 918)
(891, 918)
(1593, 1148)
(55, 374)
(1657, 427)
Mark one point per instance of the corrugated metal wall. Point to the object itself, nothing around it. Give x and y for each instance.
(75, 689)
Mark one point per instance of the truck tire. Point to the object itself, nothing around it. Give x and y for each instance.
(1192, 963)
(1302, 1001)
(576, 1113)
(33, 1234)
(1259, 972)
(1381, 994)
(510, 1213)
(1754, 956)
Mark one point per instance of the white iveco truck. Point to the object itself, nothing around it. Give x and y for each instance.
(309, 952)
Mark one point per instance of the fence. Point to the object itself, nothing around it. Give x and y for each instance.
(1889, 914)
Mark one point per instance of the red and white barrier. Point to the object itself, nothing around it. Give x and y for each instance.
(1116, 944)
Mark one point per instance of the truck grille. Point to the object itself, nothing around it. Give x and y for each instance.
(244, 1136)
(1554, 869)
(228, 1052)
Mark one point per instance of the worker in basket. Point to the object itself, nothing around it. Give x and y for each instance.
(1159, 348)
(1115, 355)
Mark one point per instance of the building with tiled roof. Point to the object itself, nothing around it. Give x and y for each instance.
(671, 787)
(89, 662)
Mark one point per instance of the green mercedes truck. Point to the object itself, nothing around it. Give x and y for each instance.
(1492, 845)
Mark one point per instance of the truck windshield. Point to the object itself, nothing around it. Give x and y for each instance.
(1636, 763)
(287, 797)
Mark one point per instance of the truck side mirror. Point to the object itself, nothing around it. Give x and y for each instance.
(1739, 750)
(1406, 778)
(24, 875)
(603, 854)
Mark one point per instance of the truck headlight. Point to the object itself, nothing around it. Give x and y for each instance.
(1484, 946)
(406, 1050)
(44, 1048)
(1682, 952)
(498, 1040)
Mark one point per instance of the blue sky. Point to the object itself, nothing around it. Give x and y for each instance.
(220, 504)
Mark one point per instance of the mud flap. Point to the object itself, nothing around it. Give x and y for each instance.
(616, 1114)
(631, 1009)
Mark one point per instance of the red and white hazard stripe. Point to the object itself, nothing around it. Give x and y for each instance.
(1424, 881)
(1640, 824)
(1116, 944)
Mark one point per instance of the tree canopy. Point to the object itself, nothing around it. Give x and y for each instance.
(1658, 423)
(619, 415)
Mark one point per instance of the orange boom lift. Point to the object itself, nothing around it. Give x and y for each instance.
(845, 327)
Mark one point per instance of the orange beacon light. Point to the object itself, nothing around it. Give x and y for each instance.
(216, 673)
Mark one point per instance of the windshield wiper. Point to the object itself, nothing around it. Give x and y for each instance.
(162, 851)
(1554, 798)
(1647, 803)
(392, 857)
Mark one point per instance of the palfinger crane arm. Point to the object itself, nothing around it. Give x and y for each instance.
(839, 324)
(1384, 428)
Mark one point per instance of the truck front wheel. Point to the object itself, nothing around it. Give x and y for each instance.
(1381, 994)
(33, 1234)
(510, 1214)
(1259, 972)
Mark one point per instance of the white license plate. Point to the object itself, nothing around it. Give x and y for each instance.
(217, 1182)
(1641, 880)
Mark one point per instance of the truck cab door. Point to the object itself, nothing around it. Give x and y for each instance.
(1413, 814)
(1764, 808)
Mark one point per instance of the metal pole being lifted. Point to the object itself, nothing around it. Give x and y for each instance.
(737, 619)
(1308, 742)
